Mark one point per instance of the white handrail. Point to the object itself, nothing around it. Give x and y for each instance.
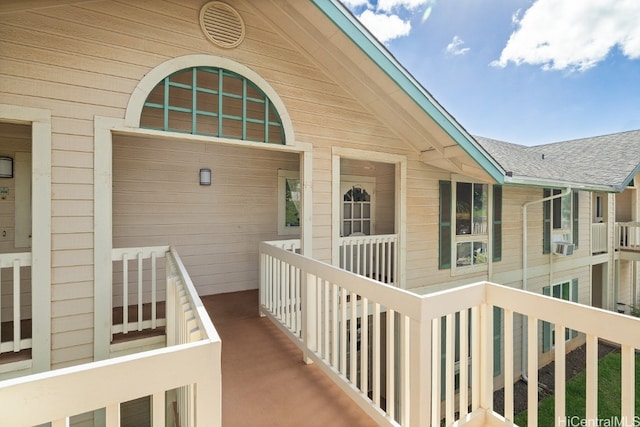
(15, 261)
(374, 256)
(146, 259)
(628, 235)
(342, 313)
(192, 365)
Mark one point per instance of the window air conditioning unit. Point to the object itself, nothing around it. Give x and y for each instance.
(563, 248)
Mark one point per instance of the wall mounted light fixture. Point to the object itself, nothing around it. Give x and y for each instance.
(6, 167)
(205, 176)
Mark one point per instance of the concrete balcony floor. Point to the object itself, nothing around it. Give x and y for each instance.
(264, 380)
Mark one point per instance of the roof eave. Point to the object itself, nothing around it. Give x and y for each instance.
(412, 88)
(529, 181)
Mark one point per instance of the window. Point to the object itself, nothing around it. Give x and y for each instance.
(214, 102)
(356, 212)
(289, 198)
(567, 291)
(470, 202)
(560, 218)
(599, 209)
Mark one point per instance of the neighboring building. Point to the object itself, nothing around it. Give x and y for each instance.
(309, 129)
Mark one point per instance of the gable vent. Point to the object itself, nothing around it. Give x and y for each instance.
(222, 24)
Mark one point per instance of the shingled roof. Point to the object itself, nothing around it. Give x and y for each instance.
(606, 163)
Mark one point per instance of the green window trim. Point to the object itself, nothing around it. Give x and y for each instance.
(214, 102)
(575, 216)
(557, 291)
(497, 223)
(444, 227)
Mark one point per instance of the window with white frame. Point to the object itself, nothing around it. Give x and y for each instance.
(471, 208)
(469, 212)
(560, 218)
(289, 199)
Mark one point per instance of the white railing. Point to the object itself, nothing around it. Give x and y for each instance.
(628, 235)
(333, 315)
(134, 291)
(192, 364)
(599, 241)
(375, 257)
(15, 342)
(292, 245)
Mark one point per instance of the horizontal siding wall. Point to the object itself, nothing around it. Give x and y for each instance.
(85, 60)
(157, 200)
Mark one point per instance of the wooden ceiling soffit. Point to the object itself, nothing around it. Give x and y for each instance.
(355, 72)
(8, 6)
(454, 160)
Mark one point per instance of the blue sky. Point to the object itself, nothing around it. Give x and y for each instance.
(524, 71)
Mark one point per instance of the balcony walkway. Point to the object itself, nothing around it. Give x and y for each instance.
(264, 381)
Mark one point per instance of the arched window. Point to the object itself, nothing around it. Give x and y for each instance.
(213, 102)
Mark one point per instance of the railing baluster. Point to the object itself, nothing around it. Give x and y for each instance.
(154, 291)
(391, 365)
(125, 294)
(16, 306)
(628, 384)
(343, 331)
(449, 369)
(327, 321)
(508, 364)
(475, 358)
(375, 354)
(436, 356)
(559, 385)
(405, 370)
(334, 325)
(139, 291)
(353, 341)
(364, 346)
(464, 363)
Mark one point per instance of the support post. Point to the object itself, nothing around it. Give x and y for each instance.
(420, 354)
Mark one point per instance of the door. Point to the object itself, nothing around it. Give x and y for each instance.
(358, 206)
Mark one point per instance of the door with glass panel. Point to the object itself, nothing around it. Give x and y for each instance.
(357, 216)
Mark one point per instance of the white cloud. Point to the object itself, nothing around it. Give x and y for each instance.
(455, 47)
(573, 35)
(390, 19)
(391, 5)
(385, 27)
(351, 4)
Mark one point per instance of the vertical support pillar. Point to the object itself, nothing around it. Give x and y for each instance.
(420, 354)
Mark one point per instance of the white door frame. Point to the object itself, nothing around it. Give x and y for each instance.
(400, 216)
(40, 122)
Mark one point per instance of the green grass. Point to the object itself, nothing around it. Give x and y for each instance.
(609, 384)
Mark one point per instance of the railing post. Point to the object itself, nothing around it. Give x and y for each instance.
(420, 354)
(308, 307)
(170, 310)
(208, 392)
